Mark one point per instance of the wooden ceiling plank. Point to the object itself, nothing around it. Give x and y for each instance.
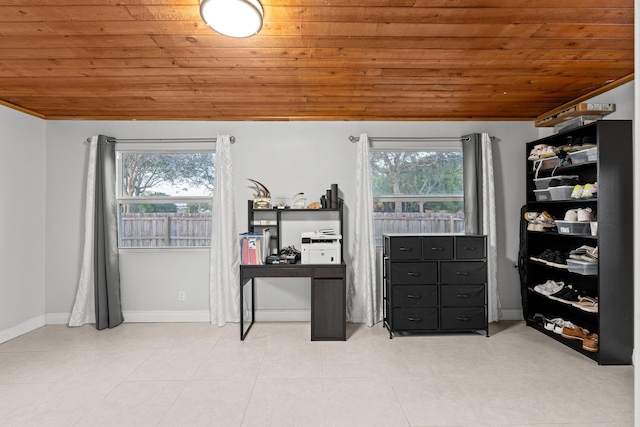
(471, 43)
(445, 15)
(63, 13)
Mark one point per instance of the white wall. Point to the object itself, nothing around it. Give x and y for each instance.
(22, 223)
(288, 157)
(40, 253)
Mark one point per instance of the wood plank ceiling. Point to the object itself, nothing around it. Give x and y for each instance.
(313, 59)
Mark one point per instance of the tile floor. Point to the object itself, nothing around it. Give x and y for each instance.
(194, 374)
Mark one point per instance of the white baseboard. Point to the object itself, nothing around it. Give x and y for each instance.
(58, 318)
(512, 314)
(177, 316)
(283, 315)
(183, 316)
(22, 328)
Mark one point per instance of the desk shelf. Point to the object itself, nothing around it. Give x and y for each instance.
(277, 217)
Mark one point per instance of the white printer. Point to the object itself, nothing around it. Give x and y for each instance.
(321, 247)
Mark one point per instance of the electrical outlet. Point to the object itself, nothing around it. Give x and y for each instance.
(182, 295)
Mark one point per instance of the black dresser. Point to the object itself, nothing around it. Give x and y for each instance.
(435, 283)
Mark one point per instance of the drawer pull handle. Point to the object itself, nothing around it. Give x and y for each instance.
(437, 249)
(462, 273)
(469, 248)
(413, 274)
(412, 296)
(462, 295)
(463, 319)
(415, 319)
(403, 249)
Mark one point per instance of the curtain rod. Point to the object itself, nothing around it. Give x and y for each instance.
(410, 138)
(232, 140)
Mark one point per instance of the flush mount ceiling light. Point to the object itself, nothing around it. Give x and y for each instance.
(234, 18)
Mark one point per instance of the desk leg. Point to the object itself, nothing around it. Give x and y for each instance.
(243, 333)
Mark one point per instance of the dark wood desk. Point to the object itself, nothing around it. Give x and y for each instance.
(328, 295)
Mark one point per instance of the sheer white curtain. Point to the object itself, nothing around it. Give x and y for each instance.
(363, 299)
(84, 310)
(489, 227)
(480, 208)
(224, 280)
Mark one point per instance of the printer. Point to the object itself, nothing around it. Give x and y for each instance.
(321, 247)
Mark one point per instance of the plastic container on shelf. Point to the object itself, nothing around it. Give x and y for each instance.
(585, 268)
(584, 156)
(542, 195)
(546, 163)
(576, 228)
(561, 192)
(592, 155)
(543, 183)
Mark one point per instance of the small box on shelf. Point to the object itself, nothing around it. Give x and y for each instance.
(542, 195)
(584, 156)
(543, 183)
(585, 268)
(574, 228)
(562, 192)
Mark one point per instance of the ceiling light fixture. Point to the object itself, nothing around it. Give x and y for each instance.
(234, 18)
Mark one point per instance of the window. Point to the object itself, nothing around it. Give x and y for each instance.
(164, 197)
(417, 191)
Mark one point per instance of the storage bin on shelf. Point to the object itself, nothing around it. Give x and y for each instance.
(542, 195)
(585, 268)
(543, 183)
(561, 192)
(575, 228)
(546, 163)
(584, 156)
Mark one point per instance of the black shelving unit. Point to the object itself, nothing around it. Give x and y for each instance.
(613, 207)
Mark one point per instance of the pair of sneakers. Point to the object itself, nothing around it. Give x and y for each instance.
(541, 151)
(557, 325)
(539, 221)
(579, 215)
(553, 258)
(568, 295)
(549, 287)
(586, 191)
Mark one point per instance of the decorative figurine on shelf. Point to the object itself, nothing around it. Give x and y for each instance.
(262, 198)
(299, 201)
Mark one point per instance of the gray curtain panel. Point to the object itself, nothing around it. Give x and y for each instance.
(106, 263)
(472, 170)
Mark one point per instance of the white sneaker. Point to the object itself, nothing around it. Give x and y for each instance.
(557, 324)
(585, 215)
(562, 324)
(550, 287)
(571, 215)
(577, 192)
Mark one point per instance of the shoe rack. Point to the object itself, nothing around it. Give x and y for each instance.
(611, 166)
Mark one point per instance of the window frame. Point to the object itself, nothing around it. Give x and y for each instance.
(157, 147)
(428, 146)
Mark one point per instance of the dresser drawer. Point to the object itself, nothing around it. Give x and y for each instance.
(462, 295)
(470, 247)
(404, 248)
(463, 273)
(414, 273)
(463, 318)
(414, 318)
(437, 248)
(414, 295)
